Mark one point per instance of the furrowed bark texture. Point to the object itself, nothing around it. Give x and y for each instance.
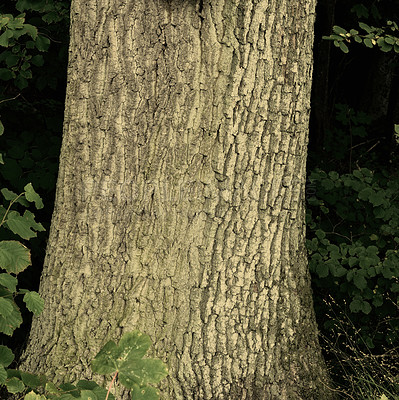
(180, 198)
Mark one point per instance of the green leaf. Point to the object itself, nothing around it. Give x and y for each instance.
(364, 26)
(38, 60)
(141, 371)
(3, 375)
(12, 60)
(338, 30)
(144, 393)
(93, 387)
(14, 256)
(6, 356)
(343, 47)
(127, 359)
(30, 380)
(322, 270)
(5, 74)
(32, 196)
(6, 307)
(360, 281)
(11, 196)
(87, 395)
(42, 43)
(34, 396)
(2, 128)
(104, 362)
(11, 322)
(5, 37)
(34, 302)
(15, 385)
(51, 388)
(366, 307)
(368, 43)
(9, 281)
(23, 226)
(134, 344)
(31, 31)
(356, 305)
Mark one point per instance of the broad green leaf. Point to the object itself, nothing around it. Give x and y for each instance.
(11, 196)
(14, 256)
(31, 31)
(6, 307)
(322, 270)
(385, 46)
(6, 356)
(31, 380)
(104, 362)
(24, 226)
(9, 281)
(38, 60)
(142, 371)
(356, 305)
(364, 26)
(13, 373)
(21, 82)
(34, 396)
(12, 60)
(144, 393)
(378, 300)
(2, 128)
(3, 375)
(339, 30)
(5, 74)
(87, 395)
(134, 344)
(366, 307)
(42, 43)
(368, 43)
(5, 37)
(8, 194)
(389, 40)
(51, 388)
(360, 281)
(93, 387)
(15, 385)
(86, 385)
(11, 322)
(34, 302)
(32, 196)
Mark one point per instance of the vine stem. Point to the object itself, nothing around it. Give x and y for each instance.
(110, 385)
(8, 209)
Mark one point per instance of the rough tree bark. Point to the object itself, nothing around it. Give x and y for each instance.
(180, 197)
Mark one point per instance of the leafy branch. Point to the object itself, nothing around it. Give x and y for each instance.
(386, 38)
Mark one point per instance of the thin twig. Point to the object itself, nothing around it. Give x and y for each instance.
(2, 101)
(110, 385)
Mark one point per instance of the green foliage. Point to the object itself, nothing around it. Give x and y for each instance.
(386, 38)
(125, 359)
(21, 40)
(353, 242)
(15, 257)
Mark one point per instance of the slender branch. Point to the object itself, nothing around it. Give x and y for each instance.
(110, 385)
(8, 209)
(13, 98)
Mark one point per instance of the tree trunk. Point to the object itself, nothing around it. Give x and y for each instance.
(180, 197)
